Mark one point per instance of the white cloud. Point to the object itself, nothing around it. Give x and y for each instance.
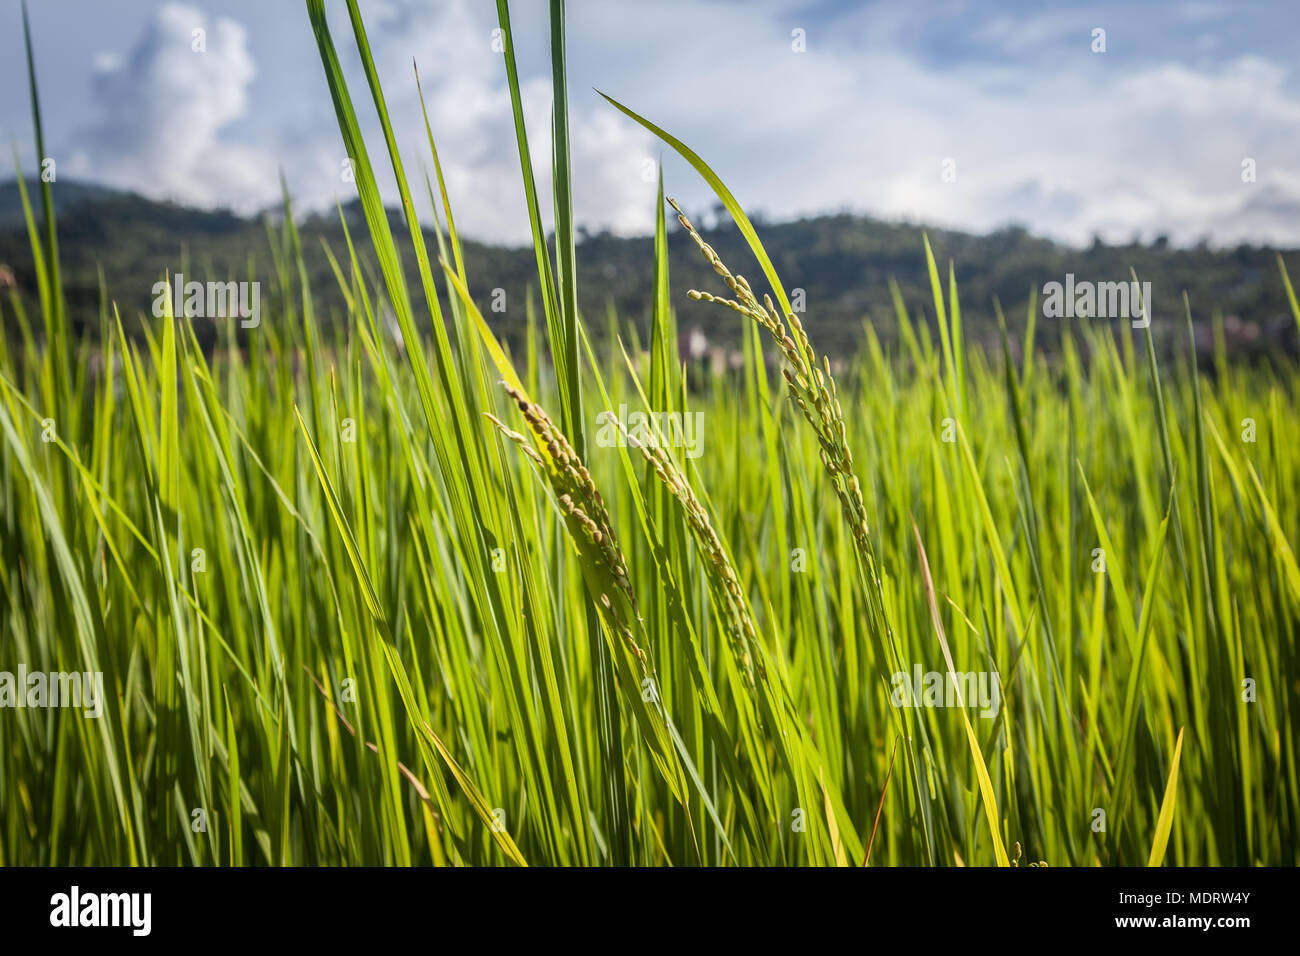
(468, 103)
(1043, 131)
(1084, 143)
(164, 110)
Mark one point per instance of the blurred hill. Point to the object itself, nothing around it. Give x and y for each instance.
(843, 264)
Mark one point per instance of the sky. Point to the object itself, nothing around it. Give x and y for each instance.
(953, 113)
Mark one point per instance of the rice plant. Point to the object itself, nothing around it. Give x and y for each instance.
(365, 598)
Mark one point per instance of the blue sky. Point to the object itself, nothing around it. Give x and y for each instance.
(1146, 138)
